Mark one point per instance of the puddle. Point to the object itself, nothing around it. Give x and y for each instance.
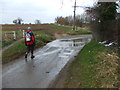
(51, 49)
(65, 46)
(76, 42)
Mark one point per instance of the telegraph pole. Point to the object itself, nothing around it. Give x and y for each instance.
(74, 15)
(74, 21)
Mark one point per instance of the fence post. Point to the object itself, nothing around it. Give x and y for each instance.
(23, 33)
(14, 35)
(5, 34)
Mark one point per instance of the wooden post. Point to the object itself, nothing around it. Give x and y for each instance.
(23, 33)
(14, 35)
(74, 15)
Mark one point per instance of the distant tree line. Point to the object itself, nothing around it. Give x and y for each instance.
(69, 20)
(20, 20)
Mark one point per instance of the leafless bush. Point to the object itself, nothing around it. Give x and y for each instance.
(107, 30)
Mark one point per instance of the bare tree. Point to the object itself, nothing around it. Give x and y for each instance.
(17, 21)
(37, 21)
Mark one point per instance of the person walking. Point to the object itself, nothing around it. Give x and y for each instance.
(29, 42)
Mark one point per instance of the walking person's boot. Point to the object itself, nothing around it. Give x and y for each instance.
(32, 56)
(26, 57)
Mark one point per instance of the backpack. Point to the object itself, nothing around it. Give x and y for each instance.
(28, 37)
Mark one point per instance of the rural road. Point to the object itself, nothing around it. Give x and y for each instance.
(49, 61)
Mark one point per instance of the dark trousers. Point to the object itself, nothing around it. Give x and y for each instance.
(30, 49)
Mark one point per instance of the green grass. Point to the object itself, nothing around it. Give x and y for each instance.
(42, 39)
(90, 67)
(6, 43)
(77, 32)
(13, 52)
(45, 38)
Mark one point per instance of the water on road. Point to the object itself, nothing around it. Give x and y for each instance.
(48, 62)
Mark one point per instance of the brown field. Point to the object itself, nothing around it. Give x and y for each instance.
(50, 29)
(47, 28)
(24, 27)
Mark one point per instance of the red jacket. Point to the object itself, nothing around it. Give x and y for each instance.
(32, 42)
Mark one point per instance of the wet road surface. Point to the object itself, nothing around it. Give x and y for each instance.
(48, 62)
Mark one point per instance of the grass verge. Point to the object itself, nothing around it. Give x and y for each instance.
(6, 43)
(96, 66)
(13, 52)
(77, 32)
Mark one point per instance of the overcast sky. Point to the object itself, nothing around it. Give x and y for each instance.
(44, 10)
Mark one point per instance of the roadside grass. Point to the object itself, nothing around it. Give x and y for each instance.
(6, 43)
(95, 66)
(19, 48)
(45, 38)
(42, 39)
(13, 52)
(80, 31)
